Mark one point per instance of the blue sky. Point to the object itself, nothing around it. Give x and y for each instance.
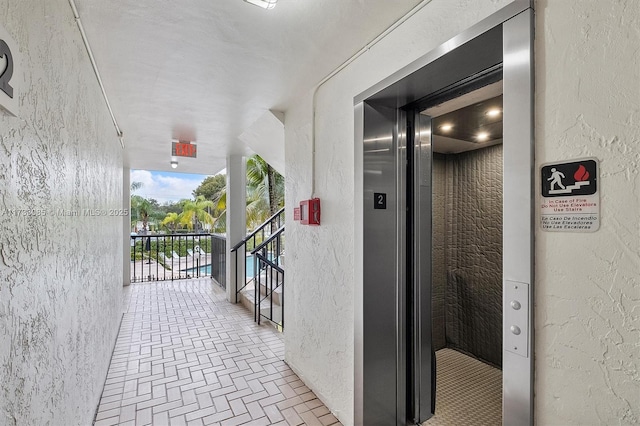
(166, 186)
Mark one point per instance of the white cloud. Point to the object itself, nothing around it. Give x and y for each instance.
(164, 186)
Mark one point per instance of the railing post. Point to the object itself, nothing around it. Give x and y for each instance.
(126, 227)
(134, 258)
(171, 257)
(235, 268)
(157, 257)
(256, 301)
(269, 270)
(257, 277)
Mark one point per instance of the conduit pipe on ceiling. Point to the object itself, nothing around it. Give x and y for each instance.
(76, 15)
(345, 64)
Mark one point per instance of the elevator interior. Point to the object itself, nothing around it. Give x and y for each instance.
(466, 255)
(447, 217)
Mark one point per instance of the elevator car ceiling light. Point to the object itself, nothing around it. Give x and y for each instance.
(174, 164)
(446, 127)
(494, 112)
(265, 4)
(482, 136)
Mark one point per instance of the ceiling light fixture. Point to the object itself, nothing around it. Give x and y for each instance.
(494, 112)
(482, 136)
(174, 164)
(446, 127)
(265, 4)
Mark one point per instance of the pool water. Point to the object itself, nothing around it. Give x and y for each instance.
(206, 269)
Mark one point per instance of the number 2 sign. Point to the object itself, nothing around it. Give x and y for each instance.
(8, 89)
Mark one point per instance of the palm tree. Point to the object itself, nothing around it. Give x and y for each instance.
(265, 195)
(220, 209)
(257, 210)
(143, 208)
(266, 182)
(135, 186)
(171, 220)
(196, 211)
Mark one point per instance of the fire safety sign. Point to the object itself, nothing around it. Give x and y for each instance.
(570, 197)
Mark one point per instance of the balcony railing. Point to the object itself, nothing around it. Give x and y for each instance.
(168, 257)
(258, 262)
(269, 279)
(249, 243)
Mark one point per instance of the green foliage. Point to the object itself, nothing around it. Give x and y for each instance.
(171, 207)
(220, 204)
(135, 186)
(265, 191)
(265, 196)
(171, 221)
(211, 187)
(141, 208)
(196, 212)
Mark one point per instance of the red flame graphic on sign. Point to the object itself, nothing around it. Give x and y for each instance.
(581, 174)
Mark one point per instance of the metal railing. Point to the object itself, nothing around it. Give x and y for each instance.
(168, 257)
(248, 243)
(262, 268)
(270, 278)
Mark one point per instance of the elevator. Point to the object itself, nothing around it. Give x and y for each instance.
(443, 314)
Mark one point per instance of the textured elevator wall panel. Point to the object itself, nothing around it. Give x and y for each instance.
(473, 296)
(439, 271)
(60, 273)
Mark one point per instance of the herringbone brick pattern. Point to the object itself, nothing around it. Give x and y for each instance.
(185, 356)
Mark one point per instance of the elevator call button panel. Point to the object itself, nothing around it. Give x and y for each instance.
(516, 318)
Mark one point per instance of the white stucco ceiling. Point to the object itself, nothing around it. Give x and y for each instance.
(206, 70)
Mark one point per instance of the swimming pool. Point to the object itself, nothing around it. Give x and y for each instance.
(206, 269)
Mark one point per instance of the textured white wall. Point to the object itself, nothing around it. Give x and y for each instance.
(60, 277)
(265, 137)
(321, 269)
(588, 285)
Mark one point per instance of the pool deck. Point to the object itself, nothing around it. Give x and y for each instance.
(149, 269)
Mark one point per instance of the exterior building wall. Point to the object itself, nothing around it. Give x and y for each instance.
(60, 268)
(587, 285)
(322, 261)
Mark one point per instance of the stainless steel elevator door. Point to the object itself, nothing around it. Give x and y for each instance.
(383, 349)
(399, 363)
(384, 381)
(419, 234)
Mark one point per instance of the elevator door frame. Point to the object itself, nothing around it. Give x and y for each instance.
(379, 127)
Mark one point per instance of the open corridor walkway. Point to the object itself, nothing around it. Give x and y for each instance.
(185, 356)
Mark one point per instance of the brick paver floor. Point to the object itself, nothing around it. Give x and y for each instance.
(185, 356)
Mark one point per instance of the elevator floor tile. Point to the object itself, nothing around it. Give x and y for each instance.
(468, 392)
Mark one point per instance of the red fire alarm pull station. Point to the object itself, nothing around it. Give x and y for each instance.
(310, 212)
